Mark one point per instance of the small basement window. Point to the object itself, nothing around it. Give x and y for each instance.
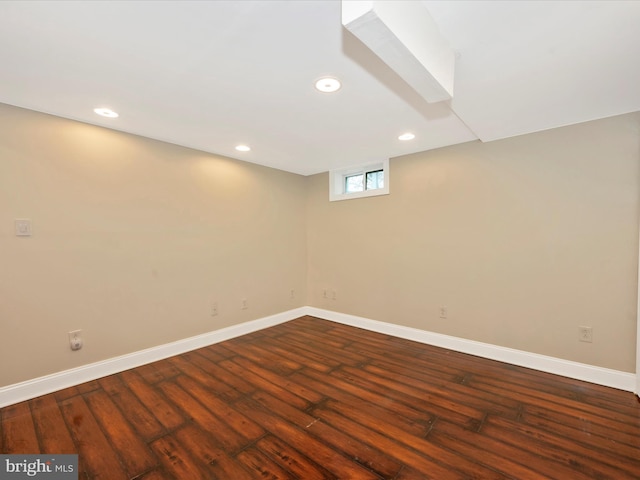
(360, 181)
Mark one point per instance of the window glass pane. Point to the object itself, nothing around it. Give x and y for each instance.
(359, 181)
(375, 180)
(354, 183)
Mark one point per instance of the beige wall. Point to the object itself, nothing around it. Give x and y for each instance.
(523, 240)
(133, 240)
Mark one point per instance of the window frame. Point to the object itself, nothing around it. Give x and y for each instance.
(337, 181)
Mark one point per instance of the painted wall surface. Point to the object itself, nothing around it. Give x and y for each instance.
(523, 240)
(133, 239)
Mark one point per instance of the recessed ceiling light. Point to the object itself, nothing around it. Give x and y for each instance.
(106, 112)
(243, 148)
(407, 136)
(328, 85)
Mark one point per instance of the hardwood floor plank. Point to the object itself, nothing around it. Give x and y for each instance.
(206, 379)
(450, 398)
(311, 359)
(329, 342)
(50, 426)
(553, 384)
(403, 362)
(225, 351)
(582, 429)
(627, 407)
(534, 380)
(150, 373)
(624, 432)
(372, 340)
(66, 393)
(309, 323)
(438, 406)
(364, 454)
(427, 463)
(366, 415)
(284, 382)
(261, 465)
(176, 459)
(510, 374)
(151, 398)
(158, 474)
(398, 435)
(408, 473)
(253, 353)
(211, 354)
(97, 455)
(210, 453)
(412, 419)
(134, 452)
(494, 404)
(332, 460)
(18, 431)
(231, 440)
(216, 371)
(313, 399)
(471, 446)
(244, 426)
(287, 351)
(139, 416)
(569, 451)
(292, 460)
(550, 468)
(260, 383)
(88, 387)
(567, 405)
(333, 350)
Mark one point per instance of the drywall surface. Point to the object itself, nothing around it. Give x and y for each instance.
(523, 240)
(133, 240)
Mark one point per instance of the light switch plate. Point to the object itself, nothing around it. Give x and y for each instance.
(23, 227)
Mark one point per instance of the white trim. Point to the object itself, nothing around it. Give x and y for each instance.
(637, 385)
(566, 368)
(68, 378)
(50, 383)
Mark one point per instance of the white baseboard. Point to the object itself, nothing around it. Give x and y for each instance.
(50, 383)
(566, 368)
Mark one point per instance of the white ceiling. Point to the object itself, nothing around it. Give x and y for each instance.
(211, 75)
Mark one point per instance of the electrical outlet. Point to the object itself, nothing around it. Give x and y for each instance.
(585, 334)
(443, 312)
(334, 295)
(75, 340)
(292, 294)
(325, 293)
(214, 309)
(244, 304)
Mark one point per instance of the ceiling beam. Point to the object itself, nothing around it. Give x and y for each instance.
(405, 36)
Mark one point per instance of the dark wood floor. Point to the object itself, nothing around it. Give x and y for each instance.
(313, 399)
